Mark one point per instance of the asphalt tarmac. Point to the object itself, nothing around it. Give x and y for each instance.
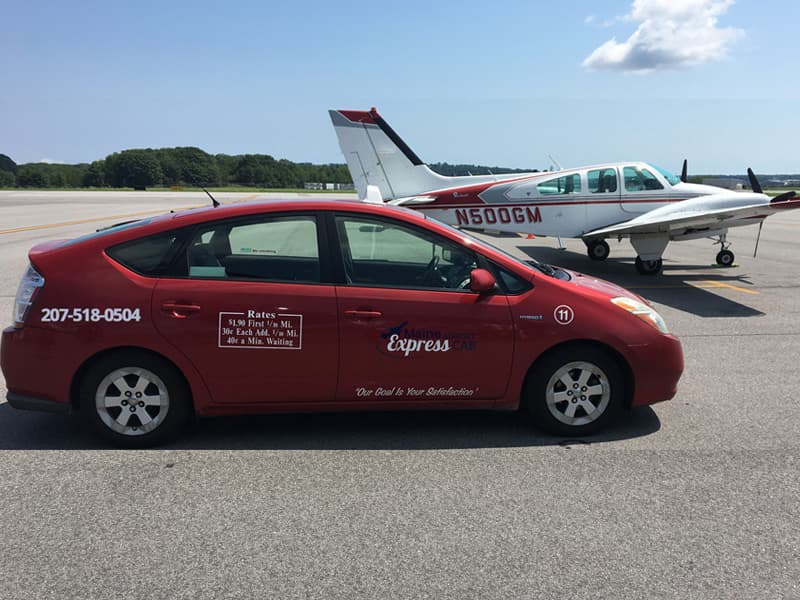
(698, 497)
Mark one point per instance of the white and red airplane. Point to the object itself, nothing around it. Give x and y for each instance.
(636, 200)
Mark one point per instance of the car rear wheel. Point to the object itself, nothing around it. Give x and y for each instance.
(135, 400)
(575, 391)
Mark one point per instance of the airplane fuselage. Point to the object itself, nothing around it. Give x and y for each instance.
(565, 203)
(639, 201)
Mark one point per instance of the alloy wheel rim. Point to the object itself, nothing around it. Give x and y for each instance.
(578, 393)
(132, 401)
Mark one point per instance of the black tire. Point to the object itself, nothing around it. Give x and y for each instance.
(649, 267)
(590, 411)
(725, 258)
(153, 408)
(598, 250)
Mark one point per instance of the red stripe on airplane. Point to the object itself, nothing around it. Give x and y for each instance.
(357, 116)
(786, 204)
(459, 202)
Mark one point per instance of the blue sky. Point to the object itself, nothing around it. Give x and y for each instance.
(503, 83)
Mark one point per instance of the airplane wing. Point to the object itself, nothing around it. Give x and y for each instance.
(373, 196)
(412, 200)
(698, 214)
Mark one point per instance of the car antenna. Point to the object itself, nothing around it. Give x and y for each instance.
(213, 200)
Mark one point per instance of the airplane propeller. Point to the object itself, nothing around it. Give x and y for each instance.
(685, 171)
(756, 187)
(754, 184)
(783, 197)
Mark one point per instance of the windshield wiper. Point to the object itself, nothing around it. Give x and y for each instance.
(546, 269)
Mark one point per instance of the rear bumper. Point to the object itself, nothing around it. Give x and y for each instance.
(656, 367)
(37, 370)
(21, 402)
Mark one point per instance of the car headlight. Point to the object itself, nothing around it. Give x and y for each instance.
(641, 310)
(31, 282)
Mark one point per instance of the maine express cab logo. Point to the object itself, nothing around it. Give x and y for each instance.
(404, 341)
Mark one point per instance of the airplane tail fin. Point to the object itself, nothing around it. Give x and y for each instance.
(377, 156)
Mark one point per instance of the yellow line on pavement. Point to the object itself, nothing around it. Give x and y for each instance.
(81, 221)
(110, 217)
(722, 284)
(704, 284)
(245, 199)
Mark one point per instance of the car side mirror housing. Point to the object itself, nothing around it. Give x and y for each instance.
(481, 281)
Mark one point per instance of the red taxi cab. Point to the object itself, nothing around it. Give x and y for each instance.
(312, 305)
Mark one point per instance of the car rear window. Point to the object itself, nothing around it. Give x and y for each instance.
(151, 255)
(106, 231)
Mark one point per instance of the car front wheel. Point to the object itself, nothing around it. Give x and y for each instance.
(575, 391)
(135, 400)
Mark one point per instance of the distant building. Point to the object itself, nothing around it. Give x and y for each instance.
(730, 183)
(329, 186)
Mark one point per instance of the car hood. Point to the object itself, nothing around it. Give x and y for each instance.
(612, 290)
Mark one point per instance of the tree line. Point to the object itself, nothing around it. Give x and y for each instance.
(186, 166)
(189, 166)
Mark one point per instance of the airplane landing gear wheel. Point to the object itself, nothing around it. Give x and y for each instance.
(648, 267)
(725, 258)
(598, 250)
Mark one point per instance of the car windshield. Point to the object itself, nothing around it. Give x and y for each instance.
(669, 176)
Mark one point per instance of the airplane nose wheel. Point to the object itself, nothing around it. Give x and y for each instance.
(725, 258)
(648, 267)
(598, 249)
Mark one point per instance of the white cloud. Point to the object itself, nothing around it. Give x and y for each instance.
(671, 34)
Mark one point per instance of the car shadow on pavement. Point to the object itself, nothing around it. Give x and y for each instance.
(679, 286)
(407, 430)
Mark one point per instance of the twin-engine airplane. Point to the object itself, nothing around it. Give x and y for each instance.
(640, 201)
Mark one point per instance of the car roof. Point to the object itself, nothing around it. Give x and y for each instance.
(207, 214)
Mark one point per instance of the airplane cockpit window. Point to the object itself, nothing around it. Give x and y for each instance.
(568, 184)
(670, 177)
(638, 179)
(602, 180)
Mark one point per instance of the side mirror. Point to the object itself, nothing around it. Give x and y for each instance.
(481, 281)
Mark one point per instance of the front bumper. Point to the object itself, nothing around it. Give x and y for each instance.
(656, 368)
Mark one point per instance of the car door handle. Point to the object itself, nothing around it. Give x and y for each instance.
(179, 310)
(363, 314)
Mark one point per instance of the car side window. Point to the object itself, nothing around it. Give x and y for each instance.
(151, 255)
(381, 253)
(271, 248)
(513, 284)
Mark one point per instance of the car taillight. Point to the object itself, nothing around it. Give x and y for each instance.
(26, 293)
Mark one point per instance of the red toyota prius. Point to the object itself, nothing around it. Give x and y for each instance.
(310, 305)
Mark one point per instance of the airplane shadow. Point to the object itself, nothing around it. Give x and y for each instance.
(407, 430)
(674, 287)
